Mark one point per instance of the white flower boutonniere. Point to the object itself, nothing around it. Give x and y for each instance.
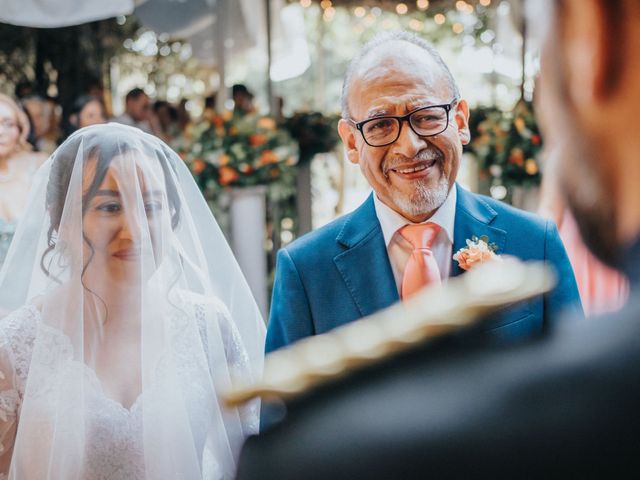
(478, 250)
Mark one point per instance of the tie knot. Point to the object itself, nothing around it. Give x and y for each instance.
(421, 235)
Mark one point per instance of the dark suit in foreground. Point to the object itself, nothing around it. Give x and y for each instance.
(564, 404)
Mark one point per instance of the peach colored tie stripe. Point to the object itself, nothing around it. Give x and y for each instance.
(421, 269)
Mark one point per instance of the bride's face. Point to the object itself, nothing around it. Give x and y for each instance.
(122, 221)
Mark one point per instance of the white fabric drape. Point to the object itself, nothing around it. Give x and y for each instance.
(61, 13)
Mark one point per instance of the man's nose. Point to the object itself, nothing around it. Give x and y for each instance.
(408, 143)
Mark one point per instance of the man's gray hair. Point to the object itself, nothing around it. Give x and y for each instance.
(381, 39)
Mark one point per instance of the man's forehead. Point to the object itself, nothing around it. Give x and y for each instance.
(401, 57)
(397, 72)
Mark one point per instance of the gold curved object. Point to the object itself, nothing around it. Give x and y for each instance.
(436, 311)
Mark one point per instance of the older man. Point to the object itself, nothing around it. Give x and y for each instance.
(404, 122)
(562, 406)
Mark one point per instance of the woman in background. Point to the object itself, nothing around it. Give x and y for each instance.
(18, 164)
(86, 110)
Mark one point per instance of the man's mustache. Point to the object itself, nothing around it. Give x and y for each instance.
(424, 155)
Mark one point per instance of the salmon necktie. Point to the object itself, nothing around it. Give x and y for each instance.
(421, 269)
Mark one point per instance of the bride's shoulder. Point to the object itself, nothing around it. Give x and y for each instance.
(204, 305)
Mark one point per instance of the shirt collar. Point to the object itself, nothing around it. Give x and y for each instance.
(391, 221)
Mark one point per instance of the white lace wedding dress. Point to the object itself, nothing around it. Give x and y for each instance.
(114, 440)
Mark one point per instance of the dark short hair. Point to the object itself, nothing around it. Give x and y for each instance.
(23, 88)
(81, 102)
(238, 88)
(134, 94)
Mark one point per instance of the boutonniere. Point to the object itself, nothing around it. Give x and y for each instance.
(478, 250)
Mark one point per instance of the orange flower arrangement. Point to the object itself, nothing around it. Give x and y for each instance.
(198, 166)
(241, 151)
(267, 157)
(223, 159)
(257, 139)
(227, 175)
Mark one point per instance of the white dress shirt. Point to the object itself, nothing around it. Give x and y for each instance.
(399, 249)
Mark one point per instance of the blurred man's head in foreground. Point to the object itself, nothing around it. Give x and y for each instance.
(590, 96)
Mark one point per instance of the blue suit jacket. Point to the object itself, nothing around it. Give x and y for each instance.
(341, 272)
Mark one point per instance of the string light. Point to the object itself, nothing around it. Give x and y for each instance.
(457, 28)
(359, 12)
(329, 13)
(485, 3)
(439, 18)
(422, 4)
(325, 4)
(305, 3)
(416, 24)
(387, 24)
(402, 8)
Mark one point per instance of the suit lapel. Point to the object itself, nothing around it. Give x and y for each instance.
(473, 218)
(365, 266)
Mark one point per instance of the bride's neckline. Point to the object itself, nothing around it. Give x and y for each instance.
(97, 382)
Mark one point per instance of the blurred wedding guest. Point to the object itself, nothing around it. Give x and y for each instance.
(242, 100)
(23, 89)
(86, 110)
(95, 88)
(138, 111)
(209, 111)
(184, 119)
(44, 115)
(167, 116)
(18, 164)
(602, 289)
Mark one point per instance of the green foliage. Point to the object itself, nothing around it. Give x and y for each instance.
(314, 132)
(507, 145)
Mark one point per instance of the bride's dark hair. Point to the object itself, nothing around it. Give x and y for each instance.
(102, 148)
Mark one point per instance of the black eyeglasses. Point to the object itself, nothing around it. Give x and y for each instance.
(425, 122)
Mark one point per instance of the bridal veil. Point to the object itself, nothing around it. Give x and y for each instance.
(125, 315)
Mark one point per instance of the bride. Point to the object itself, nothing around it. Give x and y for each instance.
(129, 317)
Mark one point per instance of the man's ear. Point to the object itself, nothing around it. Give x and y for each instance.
(74, 120)
(461, 117)
(349, 139)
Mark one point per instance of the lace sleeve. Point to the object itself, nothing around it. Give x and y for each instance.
(239, 368)
(9, 401)
(14, 336)
(237, 360)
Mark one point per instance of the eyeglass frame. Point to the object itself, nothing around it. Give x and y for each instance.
(404, 118)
